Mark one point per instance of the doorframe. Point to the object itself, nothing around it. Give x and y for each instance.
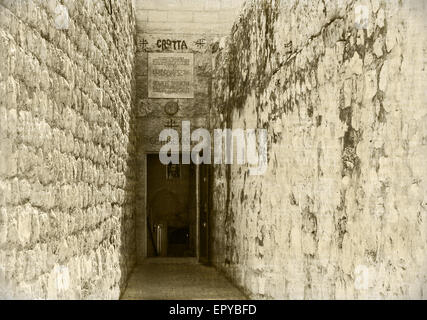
(144, 225)
(198, 212)
(207, 174)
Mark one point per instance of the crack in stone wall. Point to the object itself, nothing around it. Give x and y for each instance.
(341, 211)
(67, 208)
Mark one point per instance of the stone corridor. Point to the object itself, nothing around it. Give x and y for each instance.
(89, 211)
(178, 279)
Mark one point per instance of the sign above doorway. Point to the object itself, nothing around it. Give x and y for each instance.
(170, 75)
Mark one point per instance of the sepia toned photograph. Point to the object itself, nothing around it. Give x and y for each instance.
(214, 150)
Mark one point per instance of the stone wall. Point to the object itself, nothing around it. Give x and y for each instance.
(341, 211)
(212, 17)
(67, 140)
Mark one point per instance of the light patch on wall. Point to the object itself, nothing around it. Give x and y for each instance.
(363, 277)
(62, 19)
(361, 16)
(59, 281)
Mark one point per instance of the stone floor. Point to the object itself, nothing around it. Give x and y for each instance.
(178, 278)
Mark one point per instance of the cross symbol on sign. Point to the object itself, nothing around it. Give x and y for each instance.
(200, 43)
(143, 43)
(171, 124)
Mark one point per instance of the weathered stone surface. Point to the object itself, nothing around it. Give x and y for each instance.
(67, 148)
(341, 211)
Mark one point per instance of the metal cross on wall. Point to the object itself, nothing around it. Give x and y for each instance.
(143, 43)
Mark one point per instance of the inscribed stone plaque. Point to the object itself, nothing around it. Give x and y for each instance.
(170, 75)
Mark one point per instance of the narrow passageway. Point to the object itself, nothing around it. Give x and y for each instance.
(282, 142)
(178, 278)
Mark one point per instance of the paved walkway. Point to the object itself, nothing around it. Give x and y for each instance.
(178, 278)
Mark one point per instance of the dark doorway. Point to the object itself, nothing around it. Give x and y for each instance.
(179, 242)
(171, 209)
